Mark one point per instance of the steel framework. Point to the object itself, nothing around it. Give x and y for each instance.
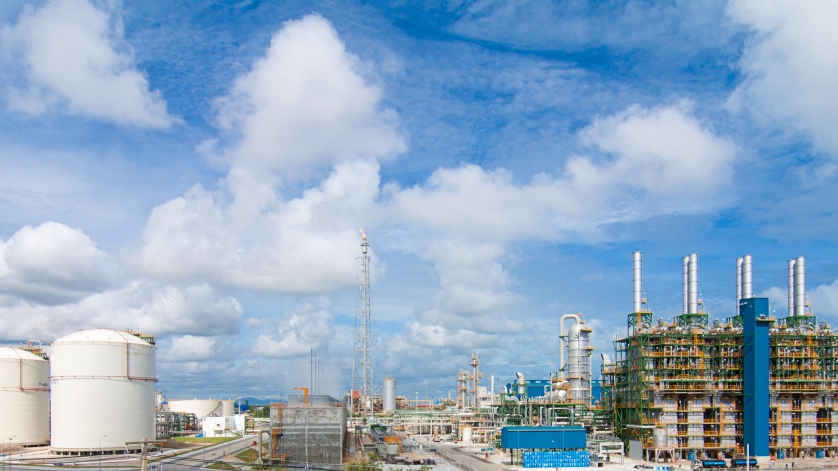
(362, 368)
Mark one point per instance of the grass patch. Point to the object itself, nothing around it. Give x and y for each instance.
(248, 456)
(203, 440)
(221, 465)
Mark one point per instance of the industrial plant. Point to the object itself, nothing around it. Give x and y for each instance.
(704, 393)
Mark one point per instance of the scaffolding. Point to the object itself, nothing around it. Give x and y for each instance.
(686, 377)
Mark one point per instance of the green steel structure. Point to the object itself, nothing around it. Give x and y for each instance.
(687, 377)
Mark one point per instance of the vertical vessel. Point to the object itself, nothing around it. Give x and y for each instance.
(24, 397)
(102, 391)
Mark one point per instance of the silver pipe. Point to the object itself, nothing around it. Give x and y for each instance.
(686, 284)
(638, 281)
(739, 262)
(748, 277)
(791, 288)
(800, 286)
(693, 283)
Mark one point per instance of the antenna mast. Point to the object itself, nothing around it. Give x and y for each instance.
(362, 371)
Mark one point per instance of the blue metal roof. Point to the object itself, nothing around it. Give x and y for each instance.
(549, 438)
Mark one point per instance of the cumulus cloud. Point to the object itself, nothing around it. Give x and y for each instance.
(824, 298)
(197, 309)
(189, 348)
(789, 66)
(429, 335)
(53, 264)
(75, 59)
(305, 103)
(298, 334)
(304, 245)
(644, 161)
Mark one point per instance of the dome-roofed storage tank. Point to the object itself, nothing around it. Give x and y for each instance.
(200, 407)
(24, 397)
(388, 399)
(102, 389)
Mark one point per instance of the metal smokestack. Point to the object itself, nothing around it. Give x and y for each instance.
(686, 284)
(739, 262)
(693, 283)
(791, 288)
(638, 281)
(800, 286)
(748, 277)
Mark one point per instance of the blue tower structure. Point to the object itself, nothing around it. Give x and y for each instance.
(755, 326)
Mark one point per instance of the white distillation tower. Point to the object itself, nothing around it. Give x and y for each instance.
(578, 365)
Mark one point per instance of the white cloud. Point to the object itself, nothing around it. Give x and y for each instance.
(75, 59)
(196, 309)
(298, 334)
(824, 298)
(53, 263)
(428, 335)
(305, 104)
(305, 245)
(654, 162)
(302, 105)
(189, 348)
(790, 66)
(472, 281)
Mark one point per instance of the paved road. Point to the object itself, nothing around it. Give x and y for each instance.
(189, 461)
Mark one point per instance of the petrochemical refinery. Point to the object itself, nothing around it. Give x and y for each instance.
(740, 392)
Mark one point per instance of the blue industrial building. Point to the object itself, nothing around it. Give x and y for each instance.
(755, 326)
(543, 438)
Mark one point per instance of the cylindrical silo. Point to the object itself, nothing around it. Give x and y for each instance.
(102, 391)
(24, 397)
(577, 361)
(389, 394)
(228, 407)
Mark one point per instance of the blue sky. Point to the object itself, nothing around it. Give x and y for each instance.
(201, 170)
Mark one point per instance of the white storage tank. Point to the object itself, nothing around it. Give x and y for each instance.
(102, 391)
(200, 407)
(388, 399)
(228, 407)
(24, 397)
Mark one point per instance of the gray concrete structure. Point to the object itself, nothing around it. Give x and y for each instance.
(310, 433)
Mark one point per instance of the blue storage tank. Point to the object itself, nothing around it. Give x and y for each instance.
(545, 438)
(781, 454)
(818, 453)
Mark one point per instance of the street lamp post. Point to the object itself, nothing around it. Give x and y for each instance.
(100, 451)
(7, 449)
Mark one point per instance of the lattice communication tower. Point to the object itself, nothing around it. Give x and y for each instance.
(362, 370)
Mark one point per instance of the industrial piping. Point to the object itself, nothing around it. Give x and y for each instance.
(638, 281)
